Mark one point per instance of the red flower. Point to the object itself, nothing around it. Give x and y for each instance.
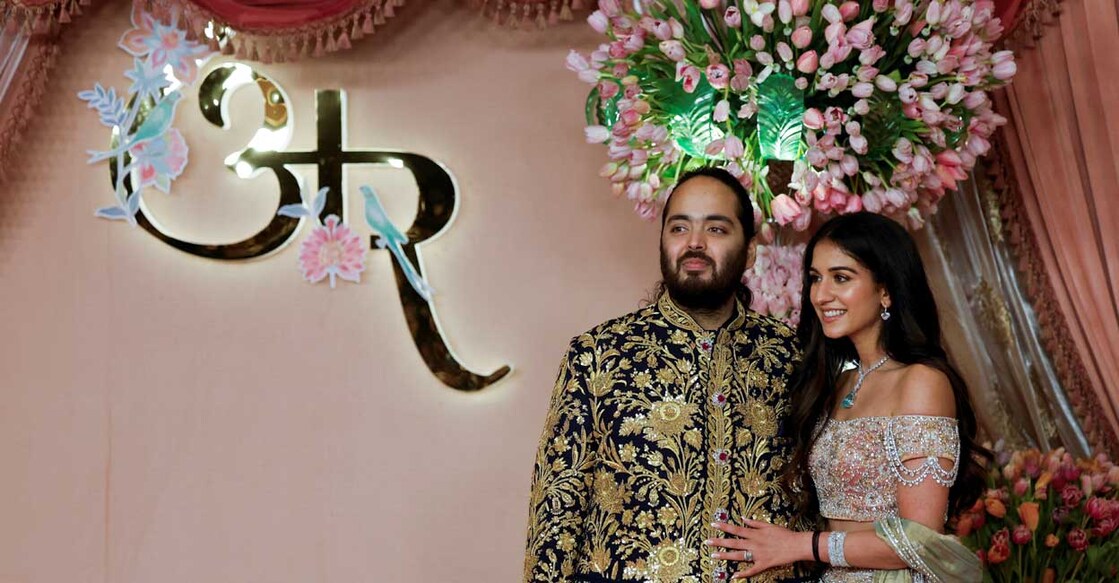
(998, 553)
(1078, 539)
(1071, 496)
(1001, 538)
(1022, 534)
(1105, 527)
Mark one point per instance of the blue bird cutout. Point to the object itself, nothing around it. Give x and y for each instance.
(155, 124)
(392, 239)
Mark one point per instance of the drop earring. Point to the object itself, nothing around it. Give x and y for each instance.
(885, 313)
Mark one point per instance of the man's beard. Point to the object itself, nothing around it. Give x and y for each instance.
(695, 293)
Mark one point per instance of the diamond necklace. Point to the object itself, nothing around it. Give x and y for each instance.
(849, 400)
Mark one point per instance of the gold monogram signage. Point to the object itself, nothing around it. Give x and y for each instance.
(267, 151)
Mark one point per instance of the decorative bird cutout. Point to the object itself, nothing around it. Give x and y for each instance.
(155, 124)
(392, 239)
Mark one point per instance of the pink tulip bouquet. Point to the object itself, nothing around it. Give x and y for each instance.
(1046, 517)
(879, 105)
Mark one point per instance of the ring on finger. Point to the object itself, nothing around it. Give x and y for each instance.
(748, 556)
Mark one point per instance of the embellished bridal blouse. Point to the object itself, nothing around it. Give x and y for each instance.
(858, 465)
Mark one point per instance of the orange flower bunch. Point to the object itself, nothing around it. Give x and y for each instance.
(1046, 517)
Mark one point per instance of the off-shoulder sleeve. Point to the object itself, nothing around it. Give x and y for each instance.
(910, 437)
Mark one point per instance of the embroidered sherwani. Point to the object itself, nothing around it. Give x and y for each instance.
(656, 429)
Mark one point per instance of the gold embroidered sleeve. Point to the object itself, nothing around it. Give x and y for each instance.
(561, 480)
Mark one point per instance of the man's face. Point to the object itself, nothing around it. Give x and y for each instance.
(703, 245)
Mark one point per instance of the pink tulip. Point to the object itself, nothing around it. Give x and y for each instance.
(907, 94)
(849, 164)
(813, 119)
(862, 107)
(1005, 70)
(607, 89)
(677, 28)
(871, 55)
(785, 210)
(577, 62)
(802, 37)
(662, 30)
(849, 10)
(903, 11)
(733, 147)
(598, 21)
(831, 14)
(630, 117)
(722, 111)
(784, 11)
(916, 47)
(861, 36)
(757, 42)
(610, 8)
(784, 52)
(1021, 535)
(880, 5)
(853, 204)
(718, 76)
(596, 134)
(748, 110)
(800, 7)
(903, 150)
(673, 49)
(816, 157)
(807, 63)
(956, 93)
(886, 84)
(690, 76)
(896, 198)
(710, 4)
(862, 90)
(733, 17)
(714, 147)
(932, 14)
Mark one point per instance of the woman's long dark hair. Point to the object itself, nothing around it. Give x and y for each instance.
(910, 336)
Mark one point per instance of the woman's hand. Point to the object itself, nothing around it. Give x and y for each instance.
(762, 544)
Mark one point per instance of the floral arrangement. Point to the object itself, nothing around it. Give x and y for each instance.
(775, 280)
(818, 107)
(1046, 517)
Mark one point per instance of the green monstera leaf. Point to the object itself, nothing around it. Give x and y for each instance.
(883, 125)
(780, 118)
(689, 113)
(599, 112)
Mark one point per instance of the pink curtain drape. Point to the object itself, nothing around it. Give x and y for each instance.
(285, 30)
(28, 49)
(1061, 149)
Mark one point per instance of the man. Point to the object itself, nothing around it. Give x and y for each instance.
(668, 419)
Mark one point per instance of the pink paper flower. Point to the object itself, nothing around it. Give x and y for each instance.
(332, 250)
(162, 44)
(157, 162)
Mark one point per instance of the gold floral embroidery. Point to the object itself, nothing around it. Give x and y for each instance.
(761, 418)
(671, 418)
(656, 428)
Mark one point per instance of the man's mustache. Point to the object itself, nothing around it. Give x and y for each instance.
(694, 255)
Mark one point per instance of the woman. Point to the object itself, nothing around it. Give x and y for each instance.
(884, 427)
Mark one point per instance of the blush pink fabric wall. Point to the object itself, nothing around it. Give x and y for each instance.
(174, 419)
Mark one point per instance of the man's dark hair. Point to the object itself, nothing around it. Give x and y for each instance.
(745, 206)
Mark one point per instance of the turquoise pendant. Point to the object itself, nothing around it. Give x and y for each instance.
(848, 401)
